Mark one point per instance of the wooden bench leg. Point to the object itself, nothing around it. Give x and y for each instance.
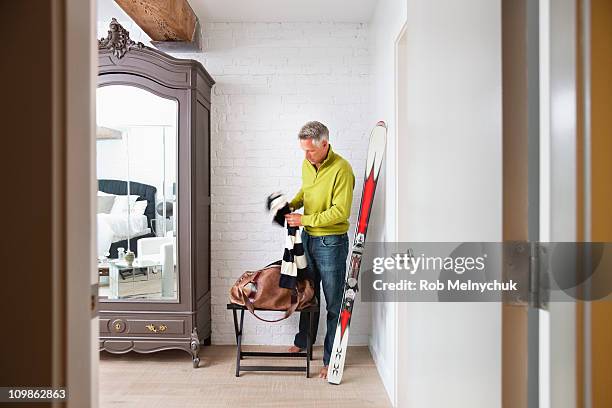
(308, 344)
(310, 330)
(235, 324)
(241, 326)
(238, 330)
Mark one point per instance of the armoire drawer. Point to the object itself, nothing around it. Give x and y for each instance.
(130, 326)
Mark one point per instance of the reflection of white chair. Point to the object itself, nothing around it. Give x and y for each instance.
(160, 249)
(173, 235)
(149, 248)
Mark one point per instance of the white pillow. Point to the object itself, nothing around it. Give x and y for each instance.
(121, 203)
(105, 203)
(139, 207)
(102, 193)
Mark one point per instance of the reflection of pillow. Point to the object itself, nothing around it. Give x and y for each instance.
(121, 203)
(105, 203)
(139, 207)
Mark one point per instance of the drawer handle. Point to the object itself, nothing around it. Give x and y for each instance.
(161, 328)
(118, 325)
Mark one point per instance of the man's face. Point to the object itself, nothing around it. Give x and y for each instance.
(313, 153)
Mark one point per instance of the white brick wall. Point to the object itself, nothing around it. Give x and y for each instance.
(271, 79)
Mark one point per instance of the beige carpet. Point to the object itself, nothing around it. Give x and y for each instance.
(167, 379)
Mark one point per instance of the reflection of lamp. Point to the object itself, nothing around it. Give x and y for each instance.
(160, 208)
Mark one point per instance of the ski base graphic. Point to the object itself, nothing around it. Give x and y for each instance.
(376, 150)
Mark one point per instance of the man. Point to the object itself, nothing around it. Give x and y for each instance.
(326, 195)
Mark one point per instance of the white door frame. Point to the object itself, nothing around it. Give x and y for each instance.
(558, 96)
(81, 359)
(399, 308)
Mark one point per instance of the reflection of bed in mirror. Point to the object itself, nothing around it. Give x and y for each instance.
(113, 225)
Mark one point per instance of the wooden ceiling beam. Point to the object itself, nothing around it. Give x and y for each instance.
(171, 24)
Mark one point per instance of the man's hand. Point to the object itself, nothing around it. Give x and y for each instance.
(294, 219)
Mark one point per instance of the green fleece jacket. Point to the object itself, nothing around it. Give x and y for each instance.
(326, 195)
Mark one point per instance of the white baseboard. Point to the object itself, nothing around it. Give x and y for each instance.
(385, 373)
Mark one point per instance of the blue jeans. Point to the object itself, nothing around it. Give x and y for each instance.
(327, 262)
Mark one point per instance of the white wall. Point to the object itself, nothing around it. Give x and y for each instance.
(385, 27)
(271, 79)
(449, 189)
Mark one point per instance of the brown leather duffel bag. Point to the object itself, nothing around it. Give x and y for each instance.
(260, 290)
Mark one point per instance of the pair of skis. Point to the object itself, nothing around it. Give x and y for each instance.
(376, 150)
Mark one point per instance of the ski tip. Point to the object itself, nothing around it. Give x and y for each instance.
(381, 123)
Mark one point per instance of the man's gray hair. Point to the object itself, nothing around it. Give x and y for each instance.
(314, 130)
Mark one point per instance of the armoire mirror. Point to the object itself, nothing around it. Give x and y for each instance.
(136, 162)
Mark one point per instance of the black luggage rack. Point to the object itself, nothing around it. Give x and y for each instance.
(307, 354)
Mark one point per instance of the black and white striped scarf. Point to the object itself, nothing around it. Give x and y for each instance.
(294, 259)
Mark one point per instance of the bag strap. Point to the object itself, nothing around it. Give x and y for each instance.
(275, 263)
(249, 305)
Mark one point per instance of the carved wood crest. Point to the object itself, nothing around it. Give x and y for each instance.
(118, 40)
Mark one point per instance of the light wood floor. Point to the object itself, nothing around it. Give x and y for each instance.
(167, 379)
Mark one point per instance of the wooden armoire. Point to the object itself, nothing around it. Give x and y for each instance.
(152, 323)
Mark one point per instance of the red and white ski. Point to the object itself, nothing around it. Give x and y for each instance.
(376, 151)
